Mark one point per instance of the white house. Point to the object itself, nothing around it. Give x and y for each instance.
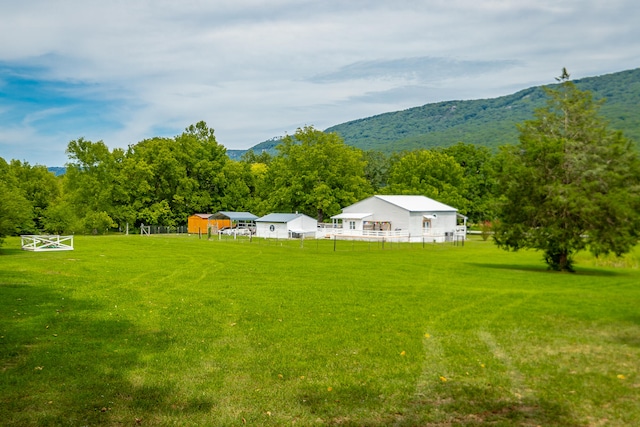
(410, 218)
(286, 225)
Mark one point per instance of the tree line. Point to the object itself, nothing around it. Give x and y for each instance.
(161, 181)
(568, 184)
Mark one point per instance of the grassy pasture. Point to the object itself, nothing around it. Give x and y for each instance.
(174, 330)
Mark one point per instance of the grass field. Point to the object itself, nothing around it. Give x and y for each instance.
(174, 330)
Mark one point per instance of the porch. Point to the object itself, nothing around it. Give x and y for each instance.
(336, 230)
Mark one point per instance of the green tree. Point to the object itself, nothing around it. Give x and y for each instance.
(238, 186)
(90, 180)
(255, 173)
(570, 183)
(132, 191)
(172, 178)
(16, 213)
(377, 169)
(316, 173)
(251, 157)
(429, 173)
(60, 218)
(477, 163)
(39, 186)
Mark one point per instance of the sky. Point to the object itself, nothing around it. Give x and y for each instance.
(122, 71)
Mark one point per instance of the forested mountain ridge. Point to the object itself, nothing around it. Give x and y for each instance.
(484, 122)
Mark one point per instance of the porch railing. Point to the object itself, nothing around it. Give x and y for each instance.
(329, 230)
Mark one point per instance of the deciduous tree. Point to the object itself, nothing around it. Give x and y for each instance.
(90, 180)
(429, 173)
(316, 173)
(15, 210)
(477, 163)
(172, 178)
(41, 188)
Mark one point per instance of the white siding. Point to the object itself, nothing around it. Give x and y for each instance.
(303, 223)
(408, 218)
(280, 231)
(382, 212)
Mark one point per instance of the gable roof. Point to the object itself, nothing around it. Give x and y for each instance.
(235, 216)
(279, 217)
(354, 215)
(202, 215)
(416, 203)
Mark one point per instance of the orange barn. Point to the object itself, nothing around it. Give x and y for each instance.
(201, 223)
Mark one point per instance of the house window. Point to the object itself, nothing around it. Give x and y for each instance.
(352, 225)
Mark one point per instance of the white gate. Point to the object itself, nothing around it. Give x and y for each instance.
(41, 243)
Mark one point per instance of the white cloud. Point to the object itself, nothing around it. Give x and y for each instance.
(256, 69)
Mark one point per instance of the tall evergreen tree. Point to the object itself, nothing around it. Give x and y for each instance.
(570, 183)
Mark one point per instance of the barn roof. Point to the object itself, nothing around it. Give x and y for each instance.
(202, 215)
(235, 216)
(416, 203)
(350, 215)
(279, 217)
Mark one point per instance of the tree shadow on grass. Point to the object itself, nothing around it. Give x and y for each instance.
(64, 361)
(463, 406)
(343, 400)
(10, 251)
(580, 271)
(474, 412)
(624, 336)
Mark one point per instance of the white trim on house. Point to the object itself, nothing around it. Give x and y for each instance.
(286, 226)
(401, 217)
(348, 215)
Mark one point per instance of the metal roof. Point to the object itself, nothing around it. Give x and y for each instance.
(349, 215)
(279, 217)
(235, 216)
(417, 203)
(202, 215)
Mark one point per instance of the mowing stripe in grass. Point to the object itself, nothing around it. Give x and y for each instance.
(177, 330)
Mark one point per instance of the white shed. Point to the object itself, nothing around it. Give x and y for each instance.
(286, 225)
(412, 218)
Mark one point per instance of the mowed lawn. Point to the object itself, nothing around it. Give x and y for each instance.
(176, 330)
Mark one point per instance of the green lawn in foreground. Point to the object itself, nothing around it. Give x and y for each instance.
(174, 330)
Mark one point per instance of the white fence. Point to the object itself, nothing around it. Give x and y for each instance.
(42, 243)
(328, 231)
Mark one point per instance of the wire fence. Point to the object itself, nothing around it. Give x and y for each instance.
(330, 244)
(161, 229)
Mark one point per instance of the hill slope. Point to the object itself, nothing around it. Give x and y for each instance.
(486, 122)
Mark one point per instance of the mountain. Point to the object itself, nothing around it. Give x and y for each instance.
(268, 145)
(57, 171)
(488, 122)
